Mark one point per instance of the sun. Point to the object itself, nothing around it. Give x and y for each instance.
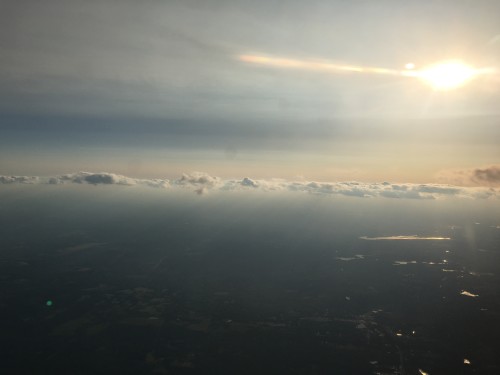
(447, 75)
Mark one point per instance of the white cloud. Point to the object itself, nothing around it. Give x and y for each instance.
(101, 178)
(202, 183)
(198, 179)
(18, 180)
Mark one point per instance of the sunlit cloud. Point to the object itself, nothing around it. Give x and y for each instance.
(202, 183)
(446, 75)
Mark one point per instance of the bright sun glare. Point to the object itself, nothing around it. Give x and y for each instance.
(447, 75)
(443, 76)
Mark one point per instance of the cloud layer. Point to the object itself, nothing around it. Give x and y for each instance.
(202, 183)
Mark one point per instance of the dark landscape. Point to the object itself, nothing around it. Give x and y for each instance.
(212, 285)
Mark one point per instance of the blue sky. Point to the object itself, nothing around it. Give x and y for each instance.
(154, 89)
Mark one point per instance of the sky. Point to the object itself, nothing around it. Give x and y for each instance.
(155, 89)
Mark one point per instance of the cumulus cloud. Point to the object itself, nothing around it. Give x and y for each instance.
(202, 183)
(101, 178)
(18, 180)
(198, 179)
(248, 182)
(98, 179)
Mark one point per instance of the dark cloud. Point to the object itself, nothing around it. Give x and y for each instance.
(489, 175)
(248, 182)
(102, 178)
(98, 179)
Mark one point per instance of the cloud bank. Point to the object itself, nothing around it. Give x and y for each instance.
(202, 183)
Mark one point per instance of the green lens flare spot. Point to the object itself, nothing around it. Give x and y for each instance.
(48, 303)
